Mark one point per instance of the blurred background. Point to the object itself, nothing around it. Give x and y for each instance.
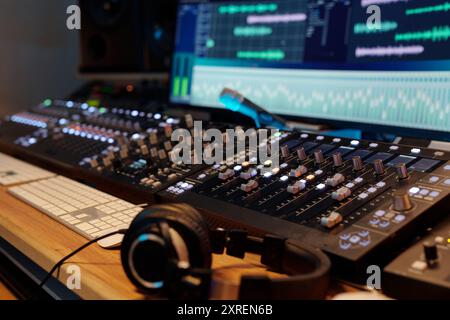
(38, 54)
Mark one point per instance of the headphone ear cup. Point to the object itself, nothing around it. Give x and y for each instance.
(192, 227)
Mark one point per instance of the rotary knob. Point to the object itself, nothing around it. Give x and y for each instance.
(318, 156)
(378, 167)
(337, 159)
(357, 163)
(402, 201)
(301, 154)
(402, 171)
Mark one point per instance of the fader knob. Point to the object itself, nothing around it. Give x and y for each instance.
(402, 171)
(301, 154)
(337, 159)
(401, 201)
(357, 163)
(378, 167)
(318, 156)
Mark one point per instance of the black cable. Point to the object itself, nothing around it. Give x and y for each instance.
(84, 246)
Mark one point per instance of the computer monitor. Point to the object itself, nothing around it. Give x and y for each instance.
(329, 60)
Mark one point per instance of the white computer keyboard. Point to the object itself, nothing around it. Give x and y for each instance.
(85, 210)
(14, 171)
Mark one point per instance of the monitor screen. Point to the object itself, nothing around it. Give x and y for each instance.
(377, 62)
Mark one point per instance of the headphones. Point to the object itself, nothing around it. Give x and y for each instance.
(168, 250)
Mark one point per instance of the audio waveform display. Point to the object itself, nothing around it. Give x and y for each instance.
(406, 99)
(260, 30)
(252, 31)
(265, 55)
(389, 51)
(248, 8)
(444, 7)
(277, 18)
(436, 34)
(366, 3)
(385, 26)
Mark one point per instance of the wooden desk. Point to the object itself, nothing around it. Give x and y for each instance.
(46, 241)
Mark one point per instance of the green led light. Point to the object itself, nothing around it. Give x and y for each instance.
(252, 31)
(102, 110)
(47, 102)
(248, 8)
(265, 55)
(93, 103)
(436, 34)
(430, 9)
(184, 87)
(176, 86)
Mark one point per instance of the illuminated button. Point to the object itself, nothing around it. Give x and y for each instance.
(318, 172)
(284, 178)
(394, 148)
(354, 239)
(363, 196)
(267, 174)
(380, 213)
(248, 174)
(384, 224)
(381, 184)
(439, 240)
(320, 186)
(350, 185)
(304, 135)
(320, 138)
(310, 177)
(439, 154)
(345, 245)
(358, 180)
(237, 168)
(373, 145)
(414, 190)
(354, 143)
(372, 190)
(434, 194)
(433, 179)
(415, 150)
(268, 163)
(447, 167)
(374, 221)
(337, 140)
(447, 182)
(363, 233)
(345, 236)
(419, 265)
(364, 243)
(399, 218)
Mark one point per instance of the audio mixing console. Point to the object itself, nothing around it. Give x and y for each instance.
(356, 200)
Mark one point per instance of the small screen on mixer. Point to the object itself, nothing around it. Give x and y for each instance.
(376, 62)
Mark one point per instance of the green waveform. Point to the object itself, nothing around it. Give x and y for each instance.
(252, 31)
(385, 26)
(430, 9)
(266, 55)
(248, 8)
(436, 34)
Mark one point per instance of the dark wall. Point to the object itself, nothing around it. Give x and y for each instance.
(38, 54)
